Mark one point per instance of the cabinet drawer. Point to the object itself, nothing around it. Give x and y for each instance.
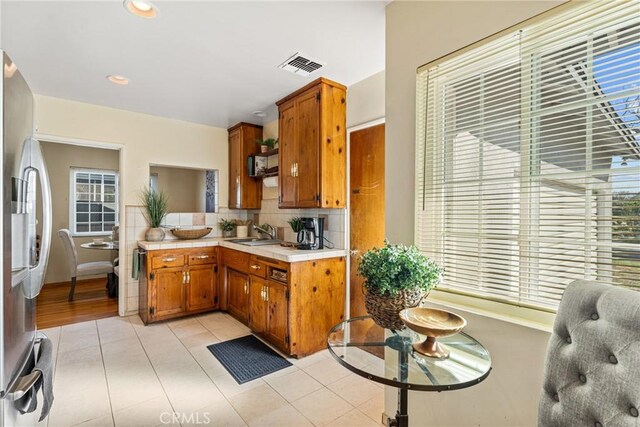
(204, 256)
(270, 262)
(236, 260)
(167, 260)
(257, 268)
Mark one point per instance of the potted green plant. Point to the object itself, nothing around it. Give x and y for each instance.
(267, 144)
(295, 223)
(155, 204)
(227, 226)
(396, 277)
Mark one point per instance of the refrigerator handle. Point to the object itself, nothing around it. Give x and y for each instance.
(38, 271)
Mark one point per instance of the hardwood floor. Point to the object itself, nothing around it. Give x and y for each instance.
(91, 303)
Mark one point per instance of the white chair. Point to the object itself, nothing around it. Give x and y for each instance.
(84, 269)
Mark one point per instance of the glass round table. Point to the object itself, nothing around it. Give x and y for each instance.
(387, 356)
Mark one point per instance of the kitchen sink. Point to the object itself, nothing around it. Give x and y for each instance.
(255, 241)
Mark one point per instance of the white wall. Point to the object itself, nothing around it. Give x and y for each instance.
(418, 33)
(365, 100)
(146, 139)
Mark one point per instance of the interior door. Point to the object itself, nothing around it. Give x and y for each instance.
(287, 155)
(367, 204)
(278, 313)
(257, 303)
(238, 288)
(201, 288)
(308, 162)
(169, 286)
(235, 168)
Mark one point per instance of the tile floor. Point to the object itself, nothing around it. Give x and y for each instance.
(118, 372)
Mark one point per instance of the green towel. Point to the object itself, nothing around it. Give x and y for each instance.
(135, 264)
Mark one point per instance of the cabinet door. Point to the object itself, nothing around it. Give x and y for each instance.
(287, 155)
(308, 160)
(258, 307)
(235, 168)
(277, 314)
(238, 294)
(168, 292)
(201, 287)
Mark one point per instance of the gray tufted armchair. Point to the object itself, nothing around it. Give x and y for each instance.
(592, 373)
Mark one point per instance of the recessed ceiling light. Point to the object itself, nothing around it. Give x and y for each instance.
(259, 113)
(119, 80)
(142, 8)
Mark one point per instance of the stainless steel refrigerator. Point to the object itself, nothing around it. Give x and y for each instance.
(24, 253)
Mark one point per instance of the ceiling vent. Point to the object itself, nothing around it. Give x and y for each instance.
(301, 65)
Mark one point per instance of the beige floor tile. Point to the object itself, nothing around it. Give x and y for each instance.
(229, 387)
(354, 418)
(130, 376)
(183, 330)
(355, 389)
(78, 336)
(263, 406)
(310, 360)
(220, 414)
(294, 385)
(154, 412)
(373, 408)
(285, 371)
(80, 388)
(115, 329)
(218, 320)
(230, 332)
(327, 371)
(207, 361)
(106, 421)
(322, 406)
(202, 339)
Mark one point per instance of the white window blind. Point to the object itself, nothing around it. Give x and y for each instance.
(93, 200)
(528, 158)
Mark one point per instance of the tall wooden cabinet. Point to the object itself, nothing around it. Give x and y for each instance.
(312, 141)
(245, 192)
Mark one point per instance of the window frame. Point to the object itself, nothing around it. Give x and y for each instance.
(73, 171)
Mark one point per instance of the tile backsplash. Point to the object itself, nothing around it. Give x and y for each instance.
(136, 226)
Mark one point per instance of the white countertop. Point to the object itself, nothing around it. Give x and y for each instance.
(270, 251)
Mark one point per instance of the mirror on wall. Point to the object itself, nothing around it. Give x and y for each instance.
(188, 190)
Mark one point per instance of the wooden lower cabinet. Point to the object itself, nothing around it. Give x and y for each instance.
(291, 305)
(238, 294)
(168, 294)
(177, 282)
(277, 314)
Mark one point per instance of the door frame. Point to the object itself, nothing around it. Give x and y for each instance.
(347, 225)
(122, 288)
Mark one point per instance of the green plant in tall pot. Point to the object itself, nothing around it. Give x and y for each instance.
(155, 204)
(396, 277)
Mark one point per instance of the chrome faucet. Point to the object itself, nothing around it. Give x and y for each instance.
(266, 229)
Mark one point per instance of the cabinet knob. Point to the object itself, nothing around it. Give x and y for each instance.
(168, 259)
(202, 256)
(255, 266)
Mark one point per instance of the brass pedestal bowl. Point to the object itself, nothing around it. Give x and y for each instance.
(434, 324)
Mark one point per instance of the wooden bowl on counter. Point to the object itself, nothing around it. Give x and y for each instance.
(433, 323)
(189, 234)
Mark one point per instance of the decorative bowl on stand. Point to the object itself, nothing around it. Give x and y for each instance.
(434, 324)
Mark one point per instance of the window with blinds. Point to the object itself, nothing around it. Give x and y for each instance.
(528, 158)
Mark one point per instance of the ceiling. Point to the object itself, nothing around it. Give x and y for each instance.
(205, 62)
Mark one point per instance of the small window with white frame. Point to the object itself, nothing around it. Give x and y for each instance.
(93, 201)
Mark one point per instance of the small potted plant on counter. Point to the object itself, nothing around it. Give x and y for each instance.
(155, 203)
(396, 277)
(267, 144)
(227, 227)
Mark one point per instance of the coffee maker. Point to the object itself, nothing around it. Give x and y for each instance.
(311, 236)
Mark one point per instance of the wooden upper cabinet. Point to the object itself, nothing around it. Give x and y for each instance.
(244, 192)
(312, 140)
